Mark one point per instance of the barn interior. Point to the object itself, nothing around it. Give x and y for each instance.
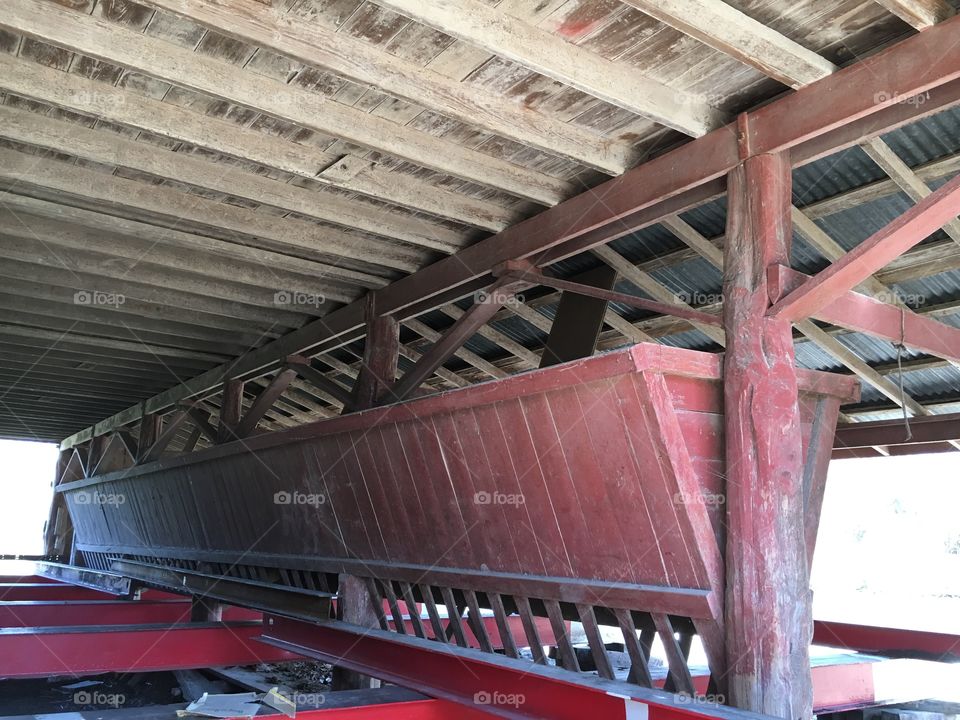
(472, 348)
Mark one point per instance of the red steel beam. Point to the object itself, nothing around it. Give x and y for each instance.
(49, 591)
(924, 218)
(861, 313)
(428, 709)
(498, 685)
(41, 652)
(886, 640)
(463, 676)
(39, 614)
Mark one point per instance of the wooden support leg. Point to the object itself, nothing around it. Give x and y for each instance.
(354, 605)
(231, 408)
(579, 320)
(150, 429)
(380, 354)
(768, 613)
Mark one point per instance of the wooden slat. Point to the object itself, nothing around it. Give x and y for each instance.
(503, 625)
(454, 614)
(568, 656)
(436, 623)
(475, 619)
(413, 610)
(110, 149)
(589, 619)
(639, 667)
(679, 671)
(530, 629)
(922, 14)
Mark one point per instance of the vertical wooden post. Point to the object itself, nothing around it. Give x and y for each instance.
(231, 410)
(150, 428)
(380, 355)
(378, 372)
(768, 609)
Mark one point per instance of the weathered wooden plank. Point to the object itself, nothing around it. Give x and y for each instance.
(539, 50)
(111, 43)
(118, 106)
(724, 28)
(922, 14)
(364, 63)
(381, 351)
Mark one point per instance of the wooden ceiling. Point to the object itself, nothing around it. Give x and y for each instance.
(232, 169)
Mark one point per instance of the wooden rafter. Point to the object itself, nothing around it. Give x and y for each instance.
(504, 35)
(359, 61)
(724, 28)
(111, 43)
(922, 14)
(868, 257)
(108, 149)
(661, 187)
(122, 107)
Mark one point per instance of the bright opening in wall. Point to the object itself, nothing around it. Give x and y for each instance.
(27, 470)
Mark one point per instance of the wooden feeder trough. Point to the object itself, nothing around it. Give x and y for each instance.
(597, 483)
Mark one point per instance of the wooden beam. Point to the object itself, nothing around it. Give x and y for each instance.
(231, 409)
(507, 36)
(323, 245)
(468, 356)
(201, 420)
(381, 352)
(119, 106)
(861, 313)
(361, 62)
(921, 14)
(578, 320)
(258, 284)
(171, 428)
(108, 148)
(112, 43)
(151, 427)
(858, 366)
(768, 611)
(927, 216)
(676, 309)
(264, 401)
(316, 378)
(905, 178)
(655, 289)
(462, 330)
(930, 429)
(726, 29)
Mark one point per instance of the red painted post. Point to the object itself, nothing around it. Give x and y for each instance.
(768, 613)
